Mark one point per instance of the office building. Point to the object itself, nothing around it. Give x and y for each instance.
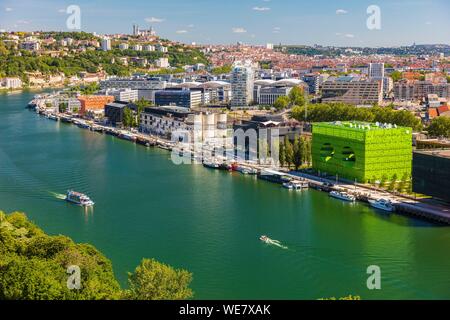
(362, 151)
(178, 97)
(431, 173)
(123, 46)
(242, 79)
(114, 112)
(200, 127)
(376, 71)
(92, 103)
(352, 91)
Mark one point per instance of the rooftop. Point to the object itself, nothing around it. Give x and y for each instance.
(358, 125)
(442, 153)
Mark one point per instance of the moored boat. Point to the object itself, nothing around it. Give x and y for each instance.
(211, 164)
(382, 204)
(295, 185)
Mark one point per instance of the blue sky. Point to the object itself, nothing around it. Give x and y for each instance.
(325, 22)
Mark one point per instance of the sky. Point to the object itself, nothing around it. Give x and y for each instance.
(308, 22)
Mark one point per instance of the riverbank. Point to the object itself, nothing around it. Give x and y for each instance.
(294, 180)
(209, 221)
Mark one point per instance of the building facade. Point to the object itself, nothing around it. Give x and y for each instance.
(352, 91)
(181, 98)
(431, 173)
(242, 79)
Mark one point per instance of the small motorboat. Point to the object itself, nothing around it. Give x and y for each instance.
(382, 204)
(342, 196)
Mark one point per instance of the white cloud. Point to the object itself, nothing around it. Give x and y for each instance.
(154, 20)
(349, 35)
(261, 8)
(62, 10)
(428, 23)
(2, 30)
(181, 31)
(8, 9)
(239, 30)
(276, 30)
(190, 25)
(341, 11)
(23, 22)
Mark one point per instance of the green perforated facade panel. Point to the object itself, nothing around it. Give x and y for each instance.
(362, 151)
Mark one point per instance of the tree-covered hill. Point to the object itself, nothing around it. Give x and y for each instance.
(34, 266)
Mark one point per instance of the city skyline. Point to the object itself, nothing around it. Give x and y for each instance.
(252, 22)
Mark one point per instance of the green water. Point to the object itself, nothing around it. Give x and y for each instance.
(209, 221)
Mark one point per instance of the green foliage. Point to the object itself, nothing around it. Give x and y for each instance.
(289, 151)
(11, 64)
(297, 97)
(396, 76)
(298, 153)
(440, 127)
(153, 280)
(33, 266)
(281, 103)
(282, 154)
(327, 112)
(221, 70)
(129, 118)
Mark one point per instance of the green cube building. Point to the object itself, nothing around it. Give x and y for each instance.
(362, 151)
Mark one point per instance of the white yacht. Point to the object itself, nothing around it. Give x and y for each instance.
(342, 196)
(382, 204)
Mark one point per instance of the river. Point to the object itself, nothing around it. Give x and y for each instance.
(208, 221)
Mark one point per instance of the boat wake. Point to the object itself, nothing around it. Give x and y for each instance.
(58, 195)
(273, 242)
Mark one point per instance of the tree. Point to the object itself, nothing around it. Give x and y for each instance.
(129, 118)
(33, 266)
(396, 76)
(289, 152)
(308, 155)
(281, 103)
(393, 184)
(153, 280)
(440, 127)
(296, 97)
(298, 153)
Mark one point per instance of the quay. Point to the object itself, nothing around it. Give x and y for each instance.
(364, 193)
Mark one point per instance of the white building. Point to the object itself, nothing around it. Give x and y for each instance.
(30, 45)
(269, 46)
(125, 95)
(11, 83)
(106, 44)
(137, 47)
(123, 46)
(204, 128)
(149, 47)
(162, 63)
(242, 79)
(162, 49)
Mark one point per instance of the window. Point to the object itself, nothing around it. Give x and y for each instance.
(327, 152)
